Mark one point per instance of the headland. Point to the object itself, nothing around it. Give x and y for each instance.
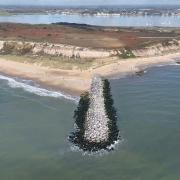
(66, 56)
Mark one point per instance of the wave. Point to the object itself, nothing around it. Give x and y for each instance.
(176, 64)
(33, 88)
(114, 146)
(102, 152)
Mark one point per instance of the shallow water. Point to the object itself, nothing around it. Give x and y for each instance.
(147, 21)
(34, 130)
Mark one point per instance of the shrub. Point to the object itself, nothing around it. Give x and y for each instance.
(127, 53)
(8, 48)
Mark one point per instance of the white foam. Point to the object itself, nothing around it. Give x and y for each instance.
(102, 152)
(176, 64)
(23, 84)
(170, 64)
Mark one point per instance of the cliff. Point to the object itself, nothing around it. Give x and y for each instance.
(37, 48)
(21, 48)
(158, 49)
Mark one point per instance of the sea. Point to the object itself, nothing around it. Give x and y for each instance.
(35, 124)
(125, 21)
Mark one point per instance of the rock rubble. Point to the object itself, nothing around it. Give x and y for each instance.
(96, 125)
(95, 119)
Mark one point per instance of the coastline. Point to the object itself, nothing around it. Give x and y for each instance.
(75, 82)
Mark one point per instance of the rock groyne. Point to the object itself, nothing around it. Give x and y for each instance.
(95, 119)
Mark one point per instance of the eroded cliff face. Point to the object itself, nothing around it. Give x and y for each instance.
(158, 49)
(17, 47)
(36, 48)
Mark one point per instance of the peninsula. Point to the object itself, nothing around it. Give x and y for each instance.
(66, 56)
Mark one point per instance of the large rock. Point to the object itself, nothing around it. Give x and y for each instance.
(96, 125)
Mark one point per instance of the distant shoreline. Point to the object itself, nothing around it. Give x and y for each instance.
(109, 10)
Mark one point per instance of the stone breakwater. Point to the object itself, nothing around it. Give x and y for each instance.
(96, 125)
(95, 119)
(36, 48)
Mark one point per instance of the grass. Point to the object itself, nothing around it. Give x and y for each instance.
(127, 53)
(3, 13)
(53, 62)
(60, 62)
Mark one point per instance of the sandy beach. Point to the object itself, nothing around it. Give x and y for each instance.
(77, 81)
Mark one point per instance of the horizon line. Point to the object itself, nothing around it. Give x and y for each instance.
(100, 5)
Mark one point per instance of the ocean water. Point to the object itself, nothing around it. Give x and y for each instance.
(34, 126)
(144, 21)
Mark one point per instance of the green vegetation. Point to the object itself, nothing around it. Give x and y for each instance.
(15, 48)
(52, 61)
(58, 62)
(23, 53)
(170, 43)
(8, 48)
(127, 53)
(4, 13)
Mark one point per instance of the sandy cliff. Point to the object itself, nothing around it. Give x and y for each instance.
(158, 49)
(36, 48)
(19, 47)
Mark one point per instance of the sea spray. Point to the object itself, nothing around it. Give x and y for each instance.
(95, 119)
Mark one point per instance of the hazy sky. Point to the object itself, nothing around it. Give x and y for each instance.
(85, 2)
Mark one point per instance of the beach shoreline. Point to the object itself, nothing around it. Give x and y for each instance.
(75, 82)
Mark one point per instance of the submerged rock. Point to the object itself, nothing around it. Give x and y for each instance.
(140, 72)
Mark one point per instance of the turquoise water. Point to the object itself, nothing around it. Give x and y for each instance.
(146, 21)
(34, 126)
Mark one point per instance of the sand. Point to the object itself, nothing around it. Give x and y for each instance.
(76, 81)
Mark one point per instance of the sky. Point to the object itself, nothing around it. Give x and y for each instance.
(87, 2)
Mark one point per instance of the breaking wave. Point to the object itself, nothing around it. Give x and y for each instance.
(33, 88)
(102, 152)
